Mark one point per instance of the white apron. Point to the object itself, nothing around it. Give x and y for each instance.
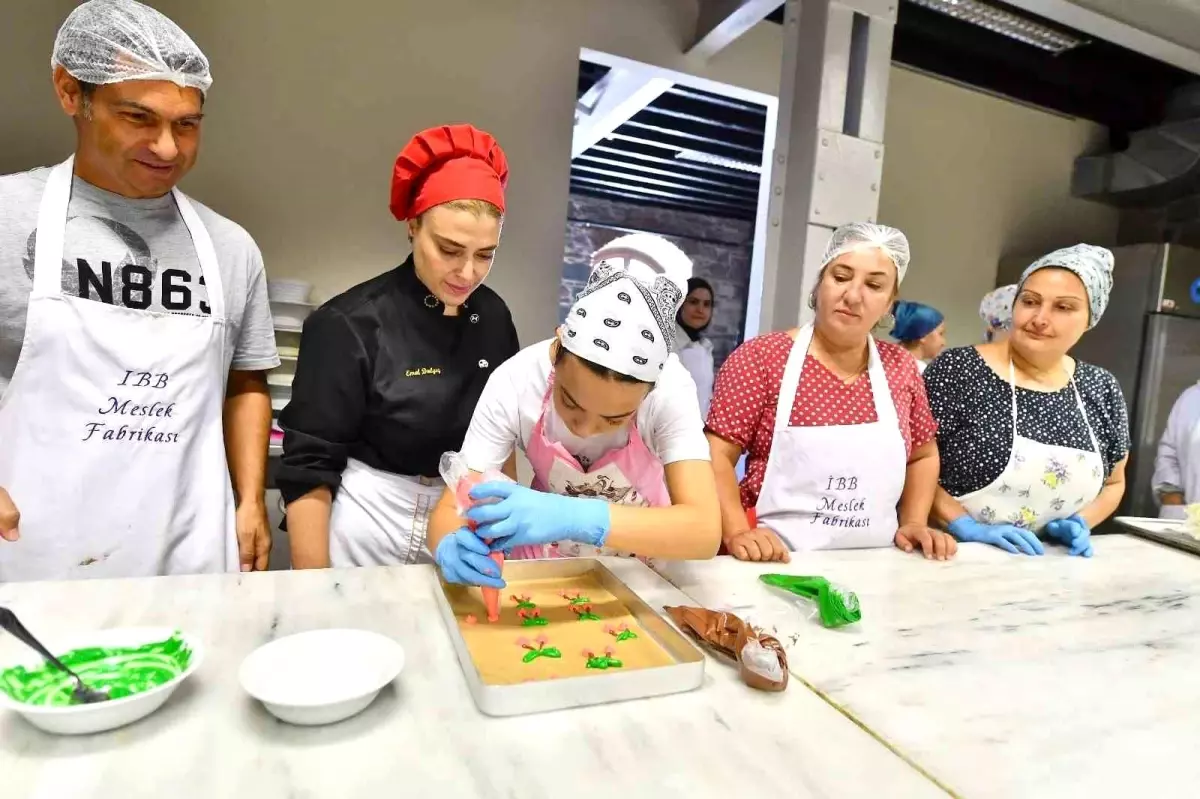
(833, 487)
(112, 445)
(1042, 482)
(380, 518)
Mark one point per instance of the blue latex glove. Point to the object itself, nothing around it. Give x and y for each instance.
(1008, 537)
(1074, 532)
(463, 558)
(523, 516)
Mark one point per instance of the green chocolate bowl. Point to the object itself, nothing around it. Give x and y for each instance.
(139, 667)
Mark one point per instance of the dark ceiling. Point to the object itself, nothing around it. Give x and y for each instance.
(1099, 81)
(637, 162)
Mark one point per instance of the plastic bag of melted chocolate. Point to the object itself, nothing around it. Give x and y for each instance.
(761, 661)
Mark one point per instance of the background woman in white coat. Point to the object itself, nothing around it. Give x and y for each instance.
(1176, 478)
(837, 428)
(1032, 441)
(694, 348)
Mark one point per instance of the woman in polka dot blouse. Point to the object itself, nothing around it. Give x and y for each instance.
(836, 426)
(1033, 443)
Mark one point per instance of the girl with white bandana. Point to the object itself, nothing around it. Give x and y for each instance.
(1033, 443)
(607, 417)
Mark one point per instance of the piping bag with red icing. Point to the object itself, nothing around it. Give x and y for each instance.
(462, 480)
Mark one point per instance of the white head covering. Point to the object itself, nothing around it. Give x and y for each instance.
(866, 236)
(1091, 264)
(109, 41)
(624, 323)
(644, 256)
(996, 307)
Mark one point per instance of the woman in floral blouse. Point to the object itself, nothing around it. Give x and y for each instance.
(1033, 443)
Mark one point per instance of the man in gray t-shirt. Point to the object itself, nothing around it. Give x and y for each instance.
(133, 253)
(148, 491)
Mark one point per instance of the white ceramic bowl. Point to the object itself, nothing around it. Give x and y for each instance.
(101, 716)
(323, 676)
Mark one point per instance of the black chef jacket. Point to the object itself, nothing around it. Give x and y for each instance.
(388, 380)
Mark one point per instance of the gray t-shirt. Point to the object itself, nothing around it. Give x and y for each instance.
(134, 254)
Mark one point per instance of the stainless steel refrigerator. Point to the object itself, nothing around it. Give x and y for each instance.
(1149, 339)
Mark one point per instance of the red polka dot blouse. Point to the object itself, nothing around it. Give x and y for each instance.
(747, 391)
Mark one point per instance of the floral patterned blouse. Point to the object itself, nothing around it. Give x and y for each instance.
(973, 408)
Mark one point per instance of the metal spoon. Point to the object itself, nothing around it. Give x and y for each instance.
(81, 694)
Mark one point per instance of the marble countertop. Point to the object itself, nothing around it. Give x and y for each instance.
(1002, 676)
(423, 736)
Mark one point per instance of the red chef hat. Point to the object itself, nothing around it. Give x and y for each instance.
(451, 162)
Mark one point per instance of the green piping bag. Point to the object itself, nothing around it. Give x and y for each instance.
(837, 607)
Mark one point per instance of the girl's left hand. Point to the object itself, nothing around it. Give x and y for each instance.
(520, 516)
(935, 544)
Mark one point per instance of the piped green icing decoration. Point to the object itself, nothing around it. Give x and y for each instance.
(534, 654)
(626, 635)
(123, 671)
(603, 662)
(534, 621)
(523, 602)
(837, 607)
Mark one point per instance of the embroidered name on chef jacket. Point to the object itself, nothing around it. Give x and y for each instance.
(423, 371)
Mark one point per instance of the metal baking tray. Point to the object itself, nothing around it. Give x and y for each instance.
(1169, 532)
(686, 674)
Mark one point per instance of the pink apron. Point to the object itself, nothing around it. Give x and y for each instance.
(631, 475)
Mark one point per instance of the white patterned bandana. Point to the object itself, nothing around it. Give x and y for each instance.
(1092, 265)
(996, 308)
(623, 324)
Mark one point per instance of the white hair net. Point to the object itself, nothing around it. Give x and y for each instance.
(865, 236)
(644, 256)
(109, 41)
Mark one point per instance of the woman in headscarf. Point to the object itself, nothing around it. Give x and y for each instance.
(1033, 442)
(390, 371)
(838, 432)
(920, 329)
(996, 311)
(608, 421)
(694, 348)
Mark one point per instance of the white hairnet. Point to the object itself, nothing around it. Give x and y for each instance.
(644, 256)
(109, 41)
(866, 235)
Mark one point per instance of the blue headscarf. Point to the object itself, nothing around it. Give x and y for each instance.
(914, 321)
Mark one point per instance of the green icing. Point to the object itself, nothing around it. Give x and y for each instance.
(626, 635)
(534, 621)
(603, 662)
(124, 671)
(546, 652)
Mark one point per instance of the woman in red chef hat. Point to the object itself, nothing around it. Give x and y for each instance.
(390, 371)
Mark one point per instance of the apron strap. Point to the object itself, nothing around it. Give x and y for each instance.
(1012, 382)
(206, 254)
(790, 384)
(881, 390)
(52, 230)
